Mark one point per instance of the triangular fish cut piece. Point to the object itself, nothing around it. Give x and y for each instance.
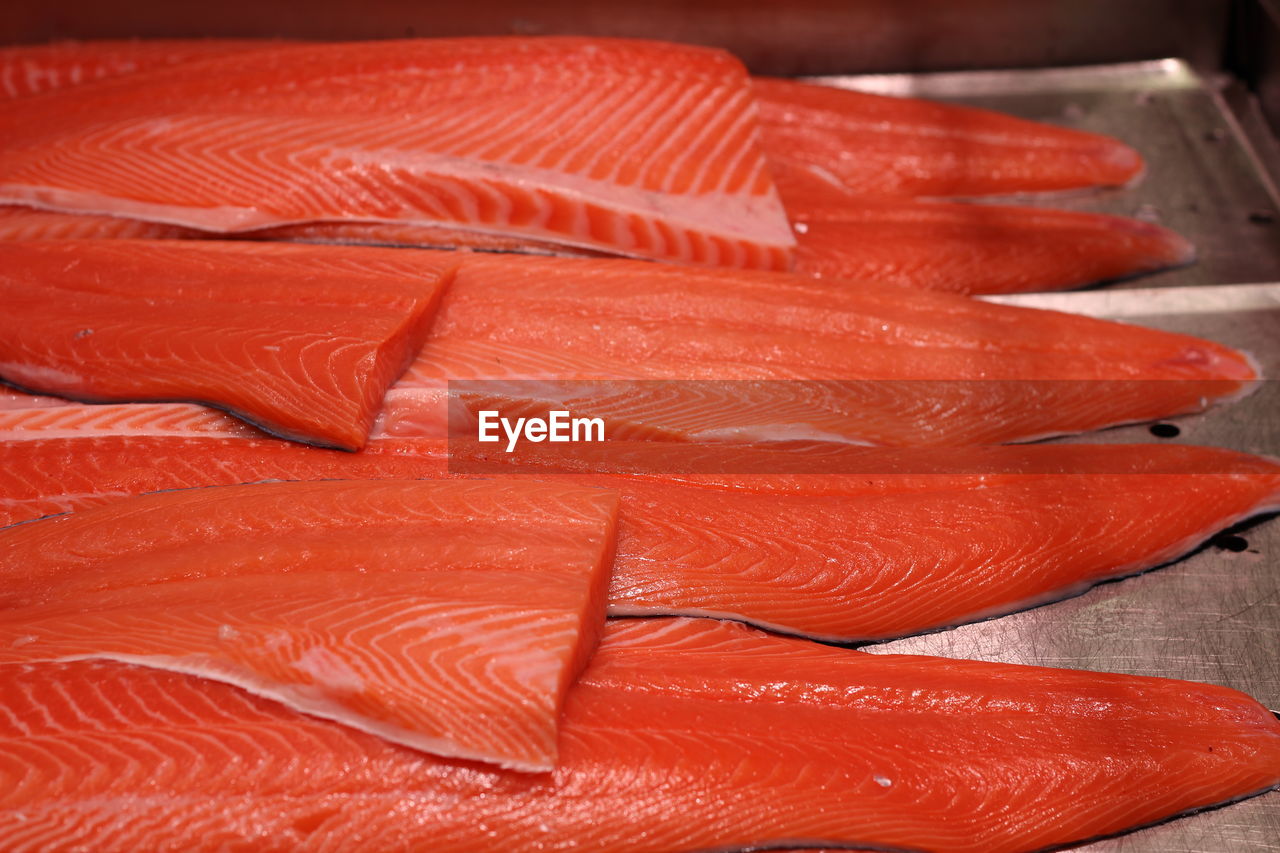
(447, 616)
(302, 341)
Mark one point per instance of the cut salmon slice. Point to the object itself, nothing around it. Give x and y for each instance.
(977, 248)
(678, 353)
(301, 341)
(446, 616)
(822, 136)
(630, 147)
(681, 735)
(883, 544)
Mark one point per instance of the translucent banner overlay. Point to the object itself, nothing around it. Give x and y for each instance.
(856, 427)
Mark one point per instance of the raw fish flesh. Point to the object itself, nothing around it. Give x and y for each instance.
(32, 418)
(814, 135)
(869, 554)
(977, 248)
(12, 398)
(873, 145)
(18, 222)
(77, 457)
(29, 223)
(888, 543)
(963, 248)
(701, 354)
(954, 248)
(33, 69)
(450, 616)
(681, 735)
(629, 147)
(303, 341)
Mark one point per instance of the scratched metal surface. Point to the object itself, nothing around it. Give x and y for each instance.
(1206, 178)
(1213, 616)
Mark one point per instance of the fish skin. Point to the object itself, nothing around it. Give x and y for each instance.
(330, 137)
(732, 738)
(881, 364)
(750, 533)
(977, 248)
(301, 341)
(875, 145)
(382, 604)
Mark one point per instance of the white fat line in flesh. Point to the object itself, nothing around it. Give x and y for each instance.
(736, 216)
(1248, 386)
(77, 420)
(64, 501)
(308, 701)
(776, 432)
(91, 430)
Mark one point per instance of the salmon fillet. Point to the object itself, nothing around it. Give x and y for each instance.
(302, 341)
(961, 248)
(446, 616)
(731, 739)
(977, 248)
(638, 148)
(875, 145)
(851, 151)
(840, 544)
(813, 135)
(659, 351)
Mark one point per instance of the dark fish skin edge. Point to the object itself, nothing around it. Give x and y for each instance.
(269, 429)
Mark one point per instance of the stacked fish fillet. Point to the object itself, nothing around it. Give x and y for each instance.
(313, 620)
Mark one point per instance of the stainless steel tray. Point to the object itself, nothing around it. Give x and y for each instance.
(1215, 615)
